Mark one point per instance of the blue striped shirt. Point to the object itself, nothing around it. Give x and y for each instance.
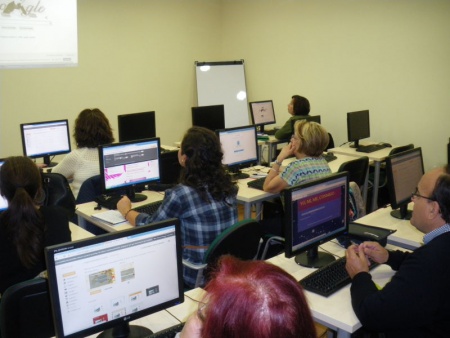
(305, 169)
(436, 232)
(201, 222)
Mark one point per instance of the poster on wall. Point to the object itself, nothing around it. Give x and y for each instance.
(38, 33)
(224, 83)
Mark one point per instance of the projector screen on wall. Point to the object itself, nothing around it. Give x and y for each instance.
(38, 33)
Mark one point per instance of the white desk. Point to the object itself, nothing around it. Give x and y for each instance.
(335, 311)
(406, 236)
(377, 157)
(86, 210)
(78, 233)
(249, 196)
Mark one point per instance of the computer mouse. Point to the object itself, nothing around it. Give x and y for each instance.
(387, 145)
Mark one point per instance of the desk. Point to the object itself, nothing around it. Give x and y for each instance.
(78, 233)
(86, 210)
(248, 196)
(377, 157)
(335, 311)
(406, 236)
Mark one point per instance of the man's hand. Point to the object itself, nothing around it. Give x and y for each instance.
(356, 261)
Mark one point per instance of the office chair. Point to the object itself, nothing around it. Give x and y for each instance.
(25, 310)
(89, 190)
(57, 192)
(358, 171)
(330, 142)
(241, 240)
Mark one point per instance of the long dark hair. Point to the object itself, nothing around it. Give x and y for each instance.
(92, 129)
(22, 223)
(203, 168)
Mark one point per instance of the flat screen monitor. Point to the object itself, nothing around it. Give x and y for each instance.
(125, 166)
(240, 149)
(315, 212)
(45, 139)
(262, 113)
(403, 171)
(3, 200)
(104, 282)
(312, 118)
(358, 126)
(136, 126)
(210, 117)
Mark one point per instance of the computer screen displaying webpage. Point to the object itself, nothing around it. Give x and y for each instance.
(45, 138)
(115, 278)
(239, 145)
(262, 112)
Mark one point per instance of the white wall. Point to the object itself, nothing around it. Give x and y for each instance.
(390, 57)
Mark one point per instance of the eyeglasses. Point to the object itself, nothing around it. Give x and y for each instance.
(416, 194)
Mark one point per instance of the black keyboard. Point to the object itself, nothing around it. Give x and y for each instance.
(257, 183)
(149, 208)
(270, 131)
(371, 148)
(328, 279)
(329, 157)
(170, 332)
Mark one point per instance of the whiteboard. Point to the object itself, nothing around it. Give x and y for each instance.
(224, 83)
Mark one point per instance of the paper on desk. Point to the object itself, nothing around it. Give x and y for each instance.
(110, 216)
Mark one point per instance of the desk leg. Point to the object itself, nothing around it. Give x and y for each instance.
(376, 183)
(81, 222)
(247, 210)
(343, 334)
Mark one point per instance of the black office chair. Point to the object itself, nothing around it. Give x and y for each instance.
(357, 170)
(241, 240)
(57, 192)
(89, 190)
(330, 142)
(25, 310)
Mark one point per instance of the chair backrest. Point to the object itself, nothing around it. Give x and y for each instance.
(89, 190)
(25, 310)
(58, 192)
(357, 169)
(400, 149)
(330, 142)
(241, 240)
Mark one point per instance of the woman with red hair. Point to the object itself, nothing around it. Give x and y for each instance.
(252, 299)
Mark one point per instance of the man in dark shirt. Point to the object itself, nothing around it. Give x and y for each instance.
(416, 302)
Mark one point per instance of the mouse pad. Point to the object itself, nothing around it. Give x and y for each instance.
(368, 232)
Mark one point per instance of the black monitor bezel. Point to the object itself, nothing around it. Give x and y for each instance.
(252, 114)
(2, 161)
(45, 155)
(288, 224)
(130, 120)
(198, 116)
(129, 188)
(53, 287)
(248, 163)
(402, 205)
(355, 134)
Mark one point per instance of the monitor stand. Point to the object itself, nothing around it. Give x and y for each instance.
(238, 175)
(355, 144)
(402, 213)
(48, 162)
(131, 194)
(126, 331)
(314, 259)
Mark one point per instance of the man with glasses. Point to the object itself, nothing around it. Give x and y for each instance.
(416, 302)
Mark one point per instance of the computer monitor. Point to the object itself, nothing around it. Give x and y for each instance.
(129, 165)
(45, 139)
(210, 117)
(104, 282)
(358, 126)
(262, 113)
(315, 212)
(309, 118)
(136, 126)
(240, 149)
(403, 171)
(3, 200)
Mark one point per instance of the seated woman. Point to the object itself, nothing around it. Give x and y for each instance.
(299, 106)
(92, 129)
(252, 299)
(204, 200)
(307, 145)
(26, 228)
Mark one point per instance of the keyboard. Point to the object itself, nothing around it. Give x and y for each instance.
(257, 183)
(270, 131)
(329, 157)
(170, 332)
(371, 148)
(328, 279)
(149, 208)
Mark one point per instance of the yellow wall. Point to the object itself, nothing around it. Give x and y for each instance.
(391, 57)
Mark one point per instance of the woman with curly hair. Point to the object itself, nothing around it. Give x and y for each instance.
(26, 228)
(92, 129)
(204, 200)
